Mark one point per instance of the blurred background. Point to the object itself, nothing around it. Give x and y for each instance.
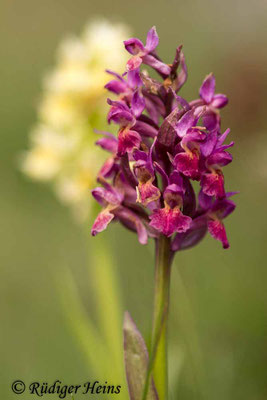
(218, 321)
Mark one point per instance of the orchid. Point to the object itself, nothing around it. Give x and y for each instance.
(164, 143)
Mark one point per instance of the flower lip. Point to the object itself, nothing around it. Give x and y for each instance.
(217, 231)
(102, 221)
(128, 140)
(213, 184)
(169, 221)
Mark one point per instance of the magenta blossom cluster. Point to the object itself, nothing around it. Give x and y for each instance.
(164, 143)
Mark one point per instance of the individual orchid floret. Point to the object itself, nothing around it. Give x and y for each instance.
(207, 93)
(213, 102)
(212, 180)
(112, 199)
(145, 54)
(187, 161)
(120, 113)
(144, 172)
(170, 219)
(122, 87)
(220, 210)
(118, 85)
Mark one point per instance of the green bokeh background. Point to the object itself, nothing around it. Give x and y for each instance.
(218, 321)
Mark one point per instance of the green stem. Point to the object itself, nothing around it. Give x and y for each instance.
(161, 308)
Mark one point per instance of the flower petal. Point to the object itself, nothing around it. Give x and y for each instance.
(108, 143)
(182, 76)
(128, 140)
(208, 145)
(105, 196)
(219, 101)
(134, 46)
(107, 168)
(213, 184)
(207, 89)
(133, 63)
(168, 221)
(217, 231)
(219, 159)
(145, 129)
(116, 87)
(132, 222)
(152, 40)
(211, 120)
(118, 76)
(187, 121)
(222, 137)
(138, 104)
(101, 222)
(120, 114)
(193, 236)
(147, 192)
(134, 79)
(204, 201)
(158, 65)
(187, 164)
(223, 207)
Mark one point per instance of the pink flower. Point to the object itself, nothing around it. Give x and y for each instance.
(164, 143)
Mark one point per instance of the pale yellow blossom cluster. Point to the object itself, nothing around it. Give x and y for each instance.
(62, 149)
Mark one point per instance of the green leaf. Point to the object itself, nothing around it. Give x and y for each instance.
(81, 325)
(136, 361)
(106, 291)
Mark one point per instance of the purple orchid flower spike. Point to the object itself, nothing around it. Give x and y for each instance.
(152, 164)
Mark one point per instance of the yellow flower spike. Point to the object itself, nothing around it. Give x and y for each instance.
(61, 148)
